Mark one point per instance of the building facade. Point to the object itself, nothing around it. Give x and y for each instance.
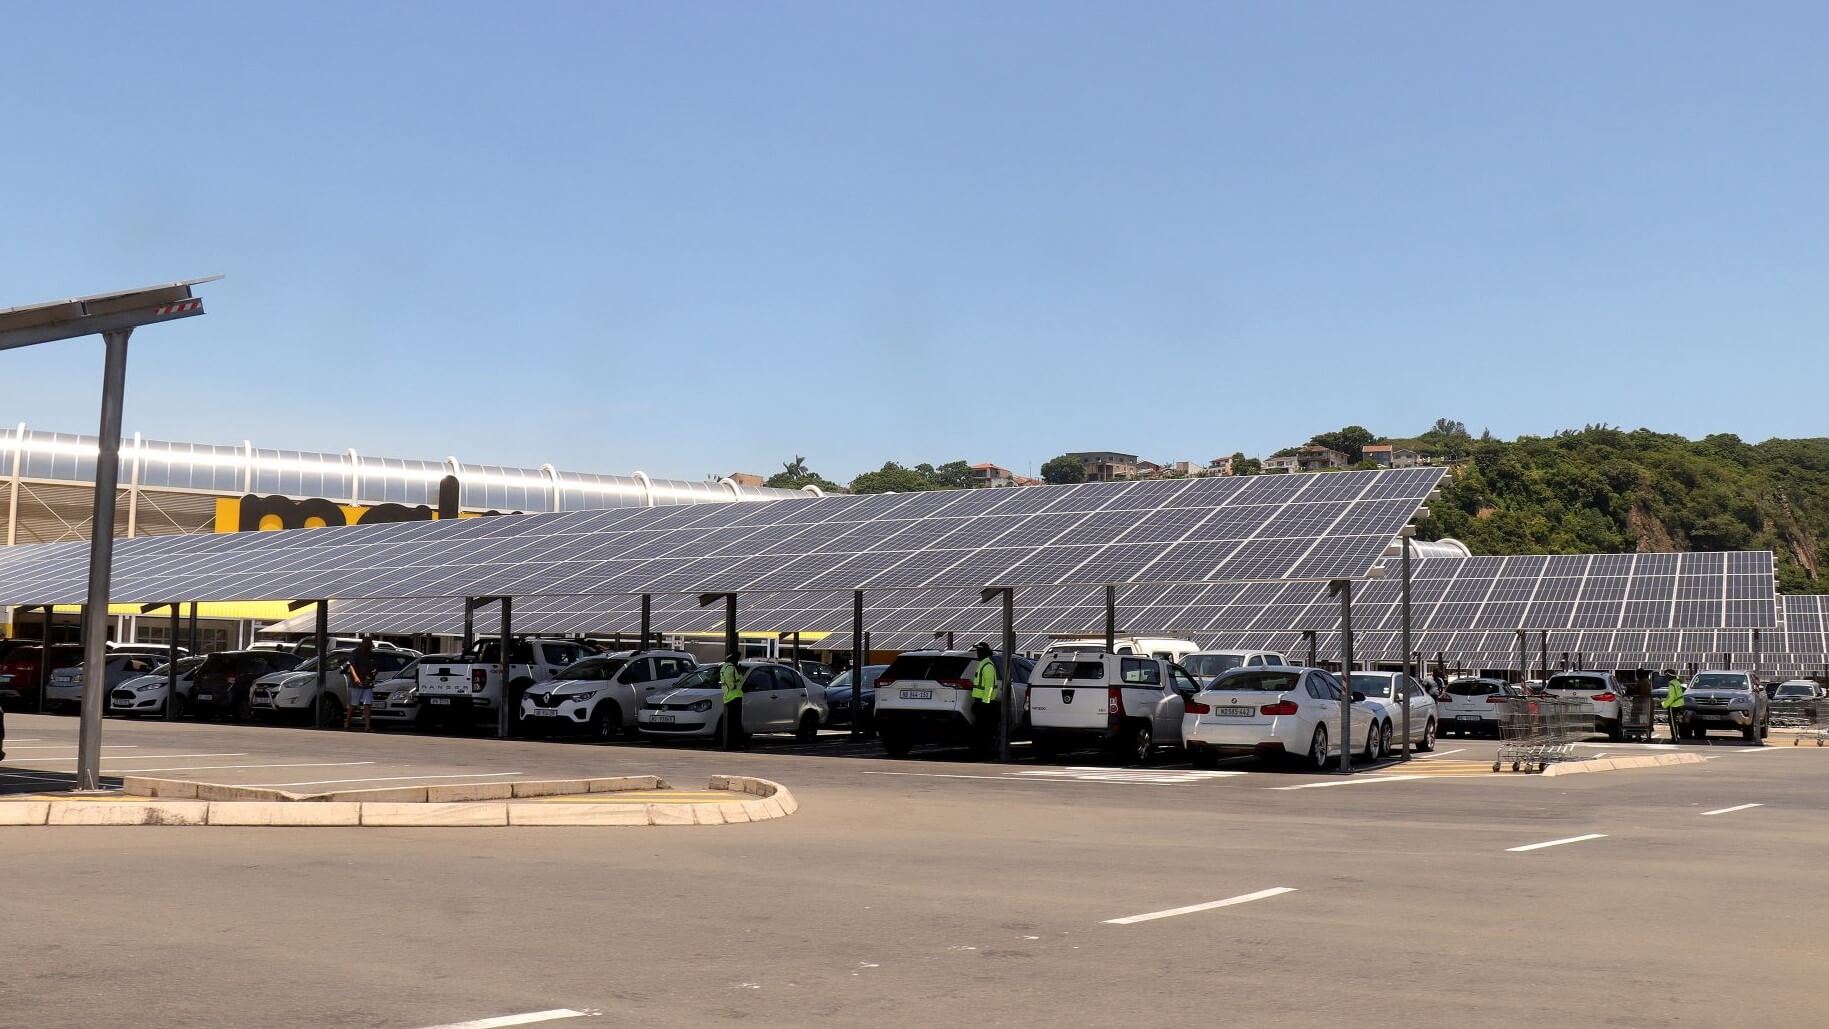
(1106, 465)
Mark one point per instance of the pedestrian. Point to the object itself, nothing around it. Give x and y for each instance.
(1673, 704)
(731, 678)
(986, 712)
(361, 671)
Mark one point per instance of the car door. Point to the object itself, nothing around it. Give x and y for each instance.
(790, 694)
(759, 690)
(1174, 707)
(1317, 699)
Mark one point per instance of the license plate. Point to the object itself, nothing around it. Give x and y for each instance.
(663, 719)
(1235, 712)
(438, 700)
(540, 712)
(1467, 718)
(917, 694)
(206, 696)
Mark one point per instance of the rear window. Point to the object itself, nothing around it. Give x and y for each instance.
(1372, 685)
(1074, 670)
(1256, 679)
(1577, 683)
(927, 666)
(593, 669)
(1208, 665)
(1473, 688)
(1721, 681)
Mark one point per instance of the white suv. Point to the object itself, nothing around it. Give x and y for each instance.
(296, 691)
(602, 693)
(1599, 691)
(1128, 705)
(1209, 663)
(925, 696)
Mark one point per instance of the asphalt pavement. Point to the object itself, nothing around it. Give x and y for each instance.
(932, 891)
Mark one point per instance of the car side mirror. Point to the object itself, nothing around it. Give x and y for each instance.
(1358, 697)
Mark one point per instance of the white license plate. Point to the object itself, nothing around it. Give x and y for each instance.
(1467, 718)
(1235, 712)
(663, 719)
(438, 700)
(916, 694)
(206, 696)
(541, 712)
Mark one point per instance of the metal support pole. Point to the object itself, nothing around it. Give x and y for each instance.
(504, 726)
(469, 624)
(44, 659)
(1111, 619)
(796, 650)
(101, 563)
(1009, 675)
(1403, 690)
(949, 640)
(1313, 652)
(1756, 659)
(171, 671)
(647, 620)
(196, 647)
(1524, 671)
(733, 644)
(1343, 588)
(322, 638)
(858, 657)
(1543, 650)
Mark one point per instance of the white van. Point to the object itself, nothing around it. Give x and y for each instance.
(1124, 703)
(1209, 663)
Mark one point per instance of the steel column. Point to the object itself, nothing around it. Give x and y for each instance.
(1313, 652)
(322, 638)
(859, 656)
(647, 620)
(733, 643)
(44, 657)
(1404, 685)
(469, 624)
(1343, 588)
(1524, 671)
(1111, 619)
(171, 677)
(101, 562)
(1543, 651)
(1009, 675)
(504, 727)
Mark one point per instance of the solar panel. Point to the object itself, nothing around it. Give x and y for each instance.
(1191, 530)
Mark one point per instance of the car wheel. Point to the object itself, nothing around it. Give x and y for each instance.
(1616, 732)
(1317, 749)
(1372, 735)
(808, 730)
(177, 706)
(1765, 728)
(1384, 741)
(895, 744)
(1142, 744)
(1427, 743)
(1203, 759)
(242, 707)
(1046, 748)
(1750, 733)
(333, 710)
(606, 721)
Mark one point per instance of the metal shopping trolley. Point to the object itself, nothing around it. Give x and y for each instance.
(1538, 730)
(1803, 718)
(1638, 710)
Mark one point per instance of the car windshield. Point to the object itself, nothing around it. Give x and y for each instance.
(1066, 668)
(1372, 685)
(927, 666)
(1256, 680)
(1474, 687)
(1577, 683)
(593, 669)
(699, 678)
(1720, 681)
(1206, 666)
(1796, 689)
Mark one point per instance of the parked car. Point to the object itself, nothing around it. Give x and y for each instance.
(225, 681)
(1471, 707)
(1167, 648)
(156, 650)
(19, 670)
(1600, 691)
(925, 696)
(294, 690)
(838, 698)
(1275, 713)
(64, 691)
(1726, 700)
(602, 694)
(817, 671)
(776, 699)
(397, 692)
(472, 687)
(1127, 705)
(1379, 689)
(148, 694)
(1209, 663)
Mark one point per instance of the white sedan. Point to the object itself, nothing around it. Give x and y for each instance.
(1377, 688)
(146, 694)
(1275, 712)
(64, 691)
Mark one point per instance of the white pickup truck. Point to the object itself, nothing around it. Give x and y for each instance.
(471, 687)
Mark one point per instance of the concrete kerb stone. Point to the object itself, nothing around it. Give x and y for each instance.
(1621, 763)
(470, 804)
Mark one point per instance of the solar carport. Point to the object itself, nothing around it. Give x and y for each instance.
(1326, 528)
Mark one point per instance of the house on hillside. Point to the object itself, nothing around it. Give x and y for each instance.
(1220, 466)
(990, 475)
(1287, 463)
(1378, 453)
(1314, 458)
(1106, 465)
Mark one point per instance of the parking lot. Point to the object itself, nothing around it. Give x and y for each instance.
(931, 891)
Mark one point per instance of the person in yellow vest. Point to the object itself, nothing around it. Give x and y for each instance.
(730, 677)
(986, 709)
(1673, 706)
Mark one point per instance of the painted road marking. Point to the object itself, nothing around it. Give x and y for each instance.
(1167, 777)
(505, 1020)
(210, 768)
(1731, 810)
(1556, 843)
(1018, 777)
(1350, 782)
(72, 746)
(1438, 753)
(141, 757)
(1208, 906)
(379, 778)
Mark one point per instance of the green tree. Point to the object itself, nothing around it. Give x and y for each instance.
(892, 478)
(954, 475)
(1063, 470)
(1350, 441)
(1242, 465)
(796, 475)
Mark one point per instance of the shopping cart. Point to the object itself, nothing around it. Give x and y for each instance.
(1802, 718)
(1638, 711)
(1535, 731)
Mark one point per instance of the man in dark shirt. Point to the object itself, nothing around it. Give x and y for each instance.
(362, 684)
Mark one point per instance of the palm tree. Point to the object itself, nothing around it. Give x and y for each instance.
(797, 467)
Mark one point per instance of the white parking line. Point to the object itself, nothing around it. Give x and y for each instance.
(1556, 843)
(1014, 777)
(1350, 782)
(505, 1020)
(1730, 810)
(211, 768)
(1247, 898)
(36, 778)
(72, 746)
(383, 778)
(1438, 753)
(140, 757)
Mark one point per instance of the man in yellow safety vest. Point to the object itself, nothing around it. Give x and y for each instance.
(986, 712)
(1673, 705)
(730, 677)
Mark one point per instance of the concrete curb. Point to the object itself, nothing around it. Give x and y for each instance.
(1610, 764)
(175, 802)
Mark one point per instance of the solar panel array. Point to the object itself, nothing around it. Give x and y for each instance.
(1622, 649)
(1265, 527)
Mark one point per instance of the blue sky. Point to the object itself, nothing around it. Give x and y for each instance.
(698, 238)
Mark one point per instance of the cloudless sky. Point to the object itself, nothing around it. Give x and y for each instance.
(694, 238)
